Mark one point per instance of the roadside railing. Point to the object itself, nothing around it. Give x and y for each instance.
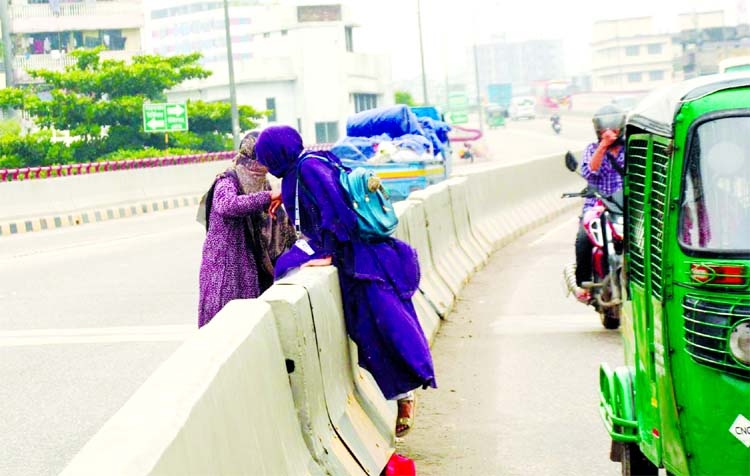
(52, 171)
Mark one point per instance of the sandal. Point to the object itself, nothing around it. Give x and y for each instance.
(405, 419)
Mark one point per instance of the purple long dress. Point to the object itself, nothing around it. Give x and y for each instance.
(377, 280)
(228, 270)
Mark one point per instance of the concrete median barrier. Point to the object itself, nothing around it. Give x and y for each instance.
(294, 320)
(364, 430)
(221, 404)
(451, 262)
(431, 284)
(466, 239)
(426, 312)
(507, 201)
(33, 205)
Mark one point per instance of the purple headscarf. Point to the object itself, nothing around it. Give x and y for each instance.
(279, 148)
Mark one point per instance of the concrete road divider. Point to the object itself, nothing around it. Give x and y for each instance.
(432, 285)
(451, 262)
(294, 321)
(474, 249)
(507, 201)
(221, 404)
(426, 312)
(272, 386)
(33, 205)
(372, 444)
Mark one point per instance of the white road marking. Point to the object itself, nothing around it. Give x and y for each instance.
(549, 233)
(97, 335)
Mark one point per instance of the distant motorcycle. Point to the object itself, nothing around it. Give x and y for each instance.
(556, 126)
(604, 225)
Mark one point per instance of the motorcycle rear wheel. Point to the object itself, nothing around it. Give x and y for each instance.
(609, 316)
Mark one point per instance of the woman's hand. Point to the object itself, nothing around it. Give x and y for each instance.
(275, 203)
(318, 262)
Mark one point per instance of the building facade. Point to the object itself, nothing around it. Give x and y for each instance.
(298, 62)
(628, 55)
(704, 40)
(43, 32)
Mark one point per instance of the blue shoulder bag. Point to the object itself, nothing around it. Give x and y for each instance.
(376, 217)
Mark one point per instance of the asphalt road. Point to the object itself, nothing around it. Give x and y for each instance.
(517, 371)
(88, 313)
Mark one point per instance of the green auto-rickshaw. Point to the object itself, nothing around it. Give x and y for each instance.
(682, 400)
(495, 115)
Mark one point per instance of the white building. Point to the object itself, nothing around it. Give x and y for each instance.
(629, 55)
(297, 61)
(42, 32)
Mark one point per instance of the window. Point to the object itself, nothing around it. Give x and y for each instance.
(326, 132)
(271, 108)
(654, 49)
(349, 39)
(632, 50)
(715, 211)
(656, 75)
(634, 77)
(363, 102)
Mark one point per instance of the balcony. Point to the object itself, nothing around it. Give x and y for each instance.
(57, 62)
(81, 15)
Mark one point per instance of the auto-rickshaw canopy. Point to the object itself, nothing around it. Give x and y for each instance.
(655, 112)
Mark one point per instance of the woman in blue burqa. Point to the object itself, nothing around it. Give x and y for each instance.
(377, 279)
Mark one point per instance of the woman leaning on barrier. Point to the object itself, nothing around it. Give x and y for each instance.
(377, 279)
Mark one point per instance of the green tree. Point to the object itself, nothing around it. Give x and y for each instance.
(100, 102)
(404, 97)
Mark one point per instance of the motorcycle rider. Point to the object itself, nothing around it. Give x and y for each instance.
(555, 122)
(602, 166)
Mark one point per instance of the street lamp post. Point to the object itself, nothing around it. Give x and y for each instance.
(7, 47)
(421, 52)
(479, 90)
(232, 87)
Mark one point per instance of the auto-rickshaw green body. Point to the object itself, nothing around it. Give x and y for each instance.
(682, 400)
(495, 116)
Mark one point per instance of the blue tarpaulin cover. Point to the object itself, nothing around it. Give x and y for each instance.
(393, 120)
(355, 148)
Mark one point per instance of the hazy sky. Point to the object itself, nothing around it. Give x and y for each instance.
(449, 26)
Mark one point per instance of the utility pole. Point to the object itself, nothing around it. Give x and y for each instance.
(421, 53)
(479, 90)
(7, 47)
(232, 86)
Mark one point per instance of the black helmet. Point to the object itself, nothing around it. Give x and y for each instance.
(608, 117)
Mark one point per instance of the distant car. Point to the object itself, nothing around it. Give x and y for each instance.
(522, 107)
(626, 103)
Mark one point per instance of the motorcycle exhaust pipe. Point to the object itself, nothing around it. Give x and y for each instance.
(569, 277)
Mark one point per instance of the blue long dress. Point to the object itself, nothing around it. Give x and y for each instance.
(377, 280)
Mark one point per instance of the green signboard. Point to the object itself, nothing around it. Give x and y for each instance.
(165, 117)
(458, 117)
(458, 101)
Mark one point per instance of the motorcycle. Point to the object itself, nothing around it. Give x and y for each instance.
(604, 226)
(556, 126)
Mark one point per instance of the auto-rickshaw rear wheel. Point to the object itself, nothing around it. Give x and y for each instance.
(635, 463)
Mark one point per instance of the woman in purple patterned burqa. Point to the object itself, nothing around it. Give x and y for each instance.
(377, 279)
(245, 234)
